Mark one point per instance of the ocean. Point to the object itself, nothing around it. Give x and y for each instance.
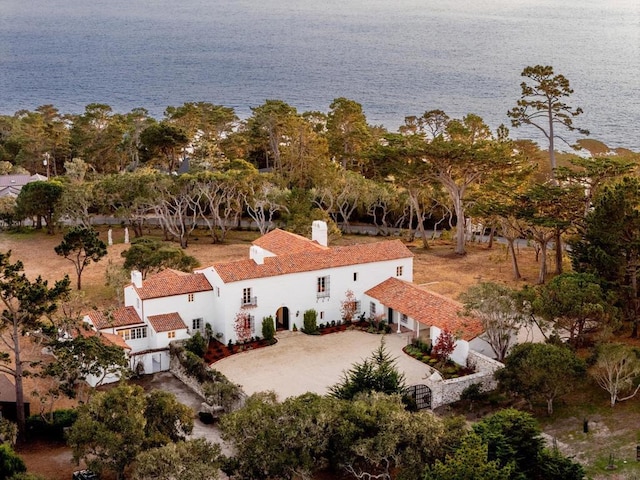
(397, 58)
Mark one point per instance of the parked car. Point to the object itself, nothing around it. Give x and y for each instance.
(84, 475)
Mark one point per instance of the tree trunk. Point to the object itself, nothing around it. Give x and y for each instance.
(460, 227)
(514, 260)
(21, 419)
(550, 406)
(633, 274)
(542, 275)
(418, 211)
(491, 235)
(558, 241)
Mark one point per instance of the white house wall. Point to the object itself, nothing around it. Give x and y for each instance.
(131, 299)
(480, 345)
(461, 352)
(298, 292)
(151, 362)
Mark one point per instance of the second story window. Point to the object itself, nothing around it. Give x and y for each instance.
(248, 298)
(196, 324)
(355, 276)
(171, 334)
(133, 333)
(399, 271)
(190, 297)
(322, 289)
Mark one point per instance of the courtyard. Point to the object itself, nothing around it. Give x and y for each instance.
(301, 363)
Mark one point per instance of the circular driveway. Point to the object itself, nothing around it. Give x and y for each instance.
(301, 363)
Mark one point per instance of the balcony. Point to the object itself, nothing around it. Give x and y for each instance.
(249, 302)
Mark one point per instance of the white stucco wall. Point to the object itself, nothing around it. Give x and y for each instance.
(461, 352)
(298, 292)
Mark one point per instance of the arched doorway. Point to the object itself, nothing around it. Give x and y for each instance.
(282, 319)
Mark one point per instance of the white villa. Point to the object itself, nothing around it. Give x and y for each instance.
(285, 275)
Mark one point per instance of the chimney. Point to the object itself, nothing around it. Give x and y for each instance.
(256, 254)
(136, 278)
(319, 232)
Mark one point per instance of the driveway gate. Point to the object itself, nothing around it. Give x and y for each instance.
(421, 394)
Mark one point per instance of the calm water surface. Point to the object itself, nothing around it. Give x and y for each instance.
(396, 57)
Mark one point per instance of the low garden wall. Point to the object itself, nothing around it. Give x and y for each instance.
(444, 392)
(181, 374)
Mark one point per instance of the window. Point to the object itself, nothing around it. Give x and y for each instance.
(171, 334)
(355, 276)
(138, 303)
(133, 333)
(372, 309)
(399, 271)
(250, 323)
(321, 315)
(404, 318)
(190, 297)
(356, 310)
(247, 298)
(323, 287)
(217, 291)
(196, 324)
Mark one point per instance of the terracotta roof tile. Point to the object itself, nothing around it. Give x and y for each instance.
(171, 282)
(281, 242)
(166, 322)
(115, 339)
(107, 338)
(426, 307)
(118, 318)
(309, 260)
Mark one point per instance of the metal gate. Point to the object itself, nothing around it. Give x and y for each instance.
(421, 394)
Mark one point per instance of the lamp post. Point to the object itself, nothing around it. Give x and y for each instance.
(45, 162)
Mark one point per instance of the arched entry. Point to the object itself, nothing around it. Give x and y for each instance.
(282, 319)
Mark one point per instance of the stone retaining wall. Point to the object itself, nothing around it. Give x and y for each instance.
(444, 392)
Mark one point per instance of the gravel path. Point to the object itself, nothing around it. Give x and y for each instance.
(301, 363)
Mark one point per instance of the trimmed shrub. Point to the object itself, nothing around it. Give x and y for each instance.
(268, 329)
(310, 318)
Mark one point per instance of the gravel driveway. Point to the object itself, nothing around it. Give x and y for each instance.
(301, 363)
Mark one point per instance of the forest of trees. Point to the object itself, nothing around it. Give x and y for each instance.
(202, 167)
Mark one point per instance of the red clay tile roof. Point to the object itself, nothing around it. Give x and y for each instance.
(306, 261)
(171, 282)
(426, 307)
(115, 339)
(166, 322)
(118, 318)
(108, 338)
(281, 242)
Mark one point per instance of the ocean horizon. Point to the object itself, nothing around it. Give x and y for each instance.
(397, 58)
